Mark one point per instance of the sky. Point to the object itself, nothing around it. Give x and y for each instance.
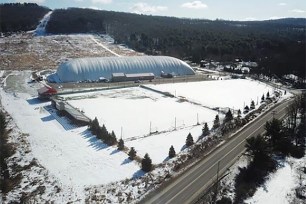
(201, 9)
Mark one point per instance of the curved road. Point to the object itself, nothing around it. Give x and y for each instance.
(188, 187)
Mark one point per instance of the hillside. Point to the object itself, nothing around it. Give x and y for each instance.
(20, 16)
(278, 45)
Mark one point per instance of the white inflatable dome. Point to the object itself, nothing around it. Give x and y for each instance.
(84, 69)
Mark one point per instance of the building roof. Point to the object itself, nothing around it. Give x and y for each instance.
(140, 75)
(83, 69)
(118, 75)
(46, 90)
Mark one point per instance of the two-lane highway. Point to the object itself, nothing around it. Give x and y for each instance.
(188, 186)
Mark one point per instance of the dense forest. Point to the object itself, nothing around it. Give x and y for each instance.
(20, 16)
(277, 45)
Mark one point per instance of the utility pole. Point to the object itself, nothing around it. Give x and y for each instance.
(121, 132)
(150, 127)
(198, 119)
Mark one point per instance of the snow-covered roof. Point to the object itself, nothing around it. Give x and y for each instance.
(83, 69)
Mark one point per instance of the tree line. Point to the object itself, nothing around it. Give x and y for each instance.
(111, 139)
(16, 17)
(277, 45)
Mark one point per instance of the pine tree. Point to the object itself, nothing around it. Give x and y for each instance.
(132, 153)
(189, 140)
(228, 116)
(146, 163)
(263, 97)
(104, 132)
(112, 138)
(252, 106)
(120, 144)
(239, 113)
(216, 122)
(268, 95)
(205, 130)
(171, 152)
(99, 133)
(246, 109)
(94, 126)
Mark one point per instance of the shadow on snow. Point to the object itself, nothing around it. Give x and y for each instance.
(94, 142)
(36, 101)
(138, 174)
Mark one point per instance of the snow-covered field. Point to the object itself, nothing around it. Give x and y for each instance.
(134, 109)
(58, 159)
(131, 111)
(234, 93)
(74, 156)
(135, 112)
(75, 159)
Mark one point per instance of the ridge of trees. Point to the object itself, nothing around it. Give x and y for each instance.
(17, 17)
(102, 133)
(278, 46)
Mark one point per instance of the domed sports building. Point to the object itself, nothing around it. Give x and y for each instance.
(93, 69)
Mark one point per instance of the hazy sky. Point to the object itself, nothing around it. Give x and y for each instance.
(207, 9)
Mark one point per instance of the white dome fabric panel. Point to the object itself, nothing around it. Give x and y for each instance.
(83, 69)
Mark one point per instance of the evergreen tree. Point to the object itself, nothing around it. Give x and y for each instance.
(146, 163)
(205, 130)
(239, 113)
(268, 95)
(301, 132)
(278, 137)
(3, 123)
(263, 97)
(99, 134)
(94, 126)
(189, 140)
(132, 153)
(228, 116)
(257, 147)
(171, 152)
(120, 144)
(273, 130)
(216, 122)
(112, 138)
(252, 106)
(246, 109)
(104, 131)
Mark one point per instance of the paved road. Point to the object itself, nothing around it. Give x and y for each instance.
(188, 187)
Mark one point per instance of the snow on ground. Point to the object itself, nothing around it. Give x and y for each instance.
(75, 157)
(41, 28)
(60, 150)
(157, 146)
(134, 110)
(103, 46)
(222, 93)
(281, 184)
(26, 51)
